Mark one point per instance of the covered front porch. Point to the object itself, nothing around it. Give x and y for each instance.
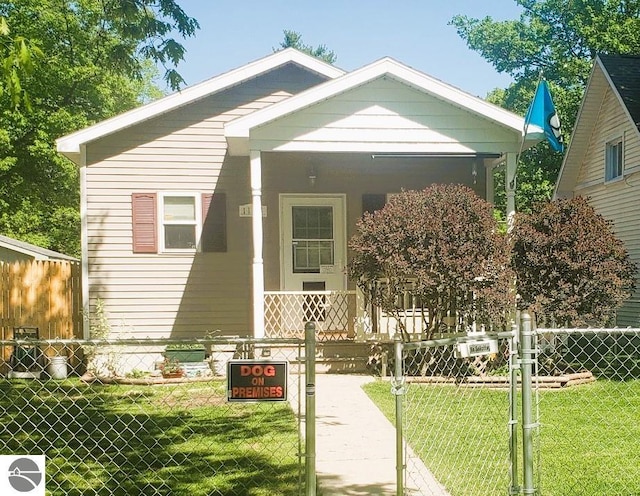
(320, 159)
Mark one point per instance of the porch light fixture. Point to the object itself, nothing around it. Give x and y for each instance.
(313, 175)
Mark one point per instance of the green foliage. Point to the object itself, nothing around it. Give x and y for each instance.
(292, 39)
(570, 266)
(17, 56)
(98, 60)
(99, 325)
(441, 244)
(561, 39)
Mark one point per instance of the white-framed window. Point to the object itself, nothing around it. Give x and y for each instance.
(180, 221)
(614, 159)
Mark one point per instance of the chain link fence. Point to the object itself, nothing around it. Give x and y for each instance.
(464, 423)
(128, 417)
(589, 404)
(455, 414)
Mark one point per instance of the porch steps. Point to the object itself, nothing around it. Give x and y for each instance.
(337, 357)
(342, 357)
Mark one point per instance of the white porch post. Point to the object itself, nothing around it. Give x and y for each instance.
(258, 264)
(510, 187)
(490, 189)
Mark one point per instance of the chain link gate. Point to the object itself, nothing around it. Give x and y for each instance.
(110, 423)
(453, 416)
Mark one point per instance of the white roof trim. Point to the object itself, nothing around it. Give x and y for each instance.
(239, 129)
(564, 168)
(34, 251)
(70, 145)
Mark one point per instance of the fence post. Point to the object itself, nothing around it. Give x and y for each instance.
(514, 367)
(310, 407)
(527, 360)
(398, 390)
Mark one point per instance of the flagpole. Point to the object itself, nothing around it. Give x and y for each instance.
(512, 171)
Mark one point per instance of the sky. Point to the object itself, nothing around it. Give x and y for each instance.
(414, 32)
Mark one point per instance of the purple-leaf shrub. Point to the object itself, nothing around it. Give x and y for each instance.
(570, 267)
(443, 246)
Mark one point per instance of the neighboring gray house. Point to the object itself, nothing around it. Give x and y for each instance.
(12, 250)
(603, 158)
(229, 205)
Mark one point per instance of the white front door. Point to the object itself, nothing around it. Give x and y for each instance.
(312, 242)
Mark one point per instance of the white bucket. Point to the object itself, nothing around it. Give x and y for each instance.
(57, 368)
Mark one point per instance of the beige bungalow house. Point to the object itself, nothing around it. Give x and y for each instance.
(603, 158)
(228, 206)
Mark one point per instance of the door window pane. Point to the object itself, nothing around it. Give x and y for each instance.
(312, 223)
(312, 237)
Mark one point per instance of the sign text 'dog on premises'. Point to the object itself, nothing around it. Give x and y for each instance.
(257, 380)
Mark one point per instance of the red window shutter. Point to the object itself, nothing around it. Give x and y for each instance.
(214, 224)
(145, 231)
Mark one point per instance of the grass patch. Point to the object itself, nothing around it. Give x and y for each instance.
(179, 439)
(588, 440)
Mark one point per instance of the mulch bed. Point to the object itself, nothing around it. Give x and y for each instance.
(543, 382)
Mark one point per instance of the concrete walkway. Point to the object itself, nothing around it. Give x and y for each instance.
(355, 443)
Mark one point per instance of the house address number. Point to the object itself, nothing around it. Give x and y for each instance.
(245, 210)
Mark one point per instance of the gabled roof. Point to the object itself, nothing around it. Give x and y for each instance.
(624, 73)
(621, 74)
(237, 131)
(70, 145)
(34, 251)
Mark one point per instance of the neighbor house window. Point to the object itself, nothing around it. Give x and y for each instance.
(614, 164)
(179, 222)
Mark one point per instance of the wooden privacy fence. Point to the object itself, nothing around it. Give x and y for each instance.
(41, 293)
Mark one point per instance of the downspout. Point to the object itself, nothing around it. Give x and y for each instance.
(490, 188)
(256, 225)
(84, 245)
(510, 187)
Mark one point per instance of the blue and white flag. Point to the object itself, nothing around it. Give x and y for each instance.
(543, 113)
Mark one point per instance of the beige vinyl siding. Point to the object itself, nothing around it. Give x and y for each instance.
(617, 201)
(612, 122)
(176, 295)
(402, 118)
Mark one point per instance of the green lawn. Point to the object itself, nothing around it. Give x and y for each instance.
(182, 439)
(589, 439)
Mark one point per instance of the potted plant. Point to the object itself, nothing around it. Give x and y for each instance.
(171, 369)
(185, 353)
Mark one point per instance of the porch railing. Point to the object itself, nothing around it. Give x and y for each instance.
(286, 312)
(339, 315)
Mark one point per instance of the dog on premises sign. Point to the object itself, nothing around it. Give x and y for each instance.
(257, 380)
